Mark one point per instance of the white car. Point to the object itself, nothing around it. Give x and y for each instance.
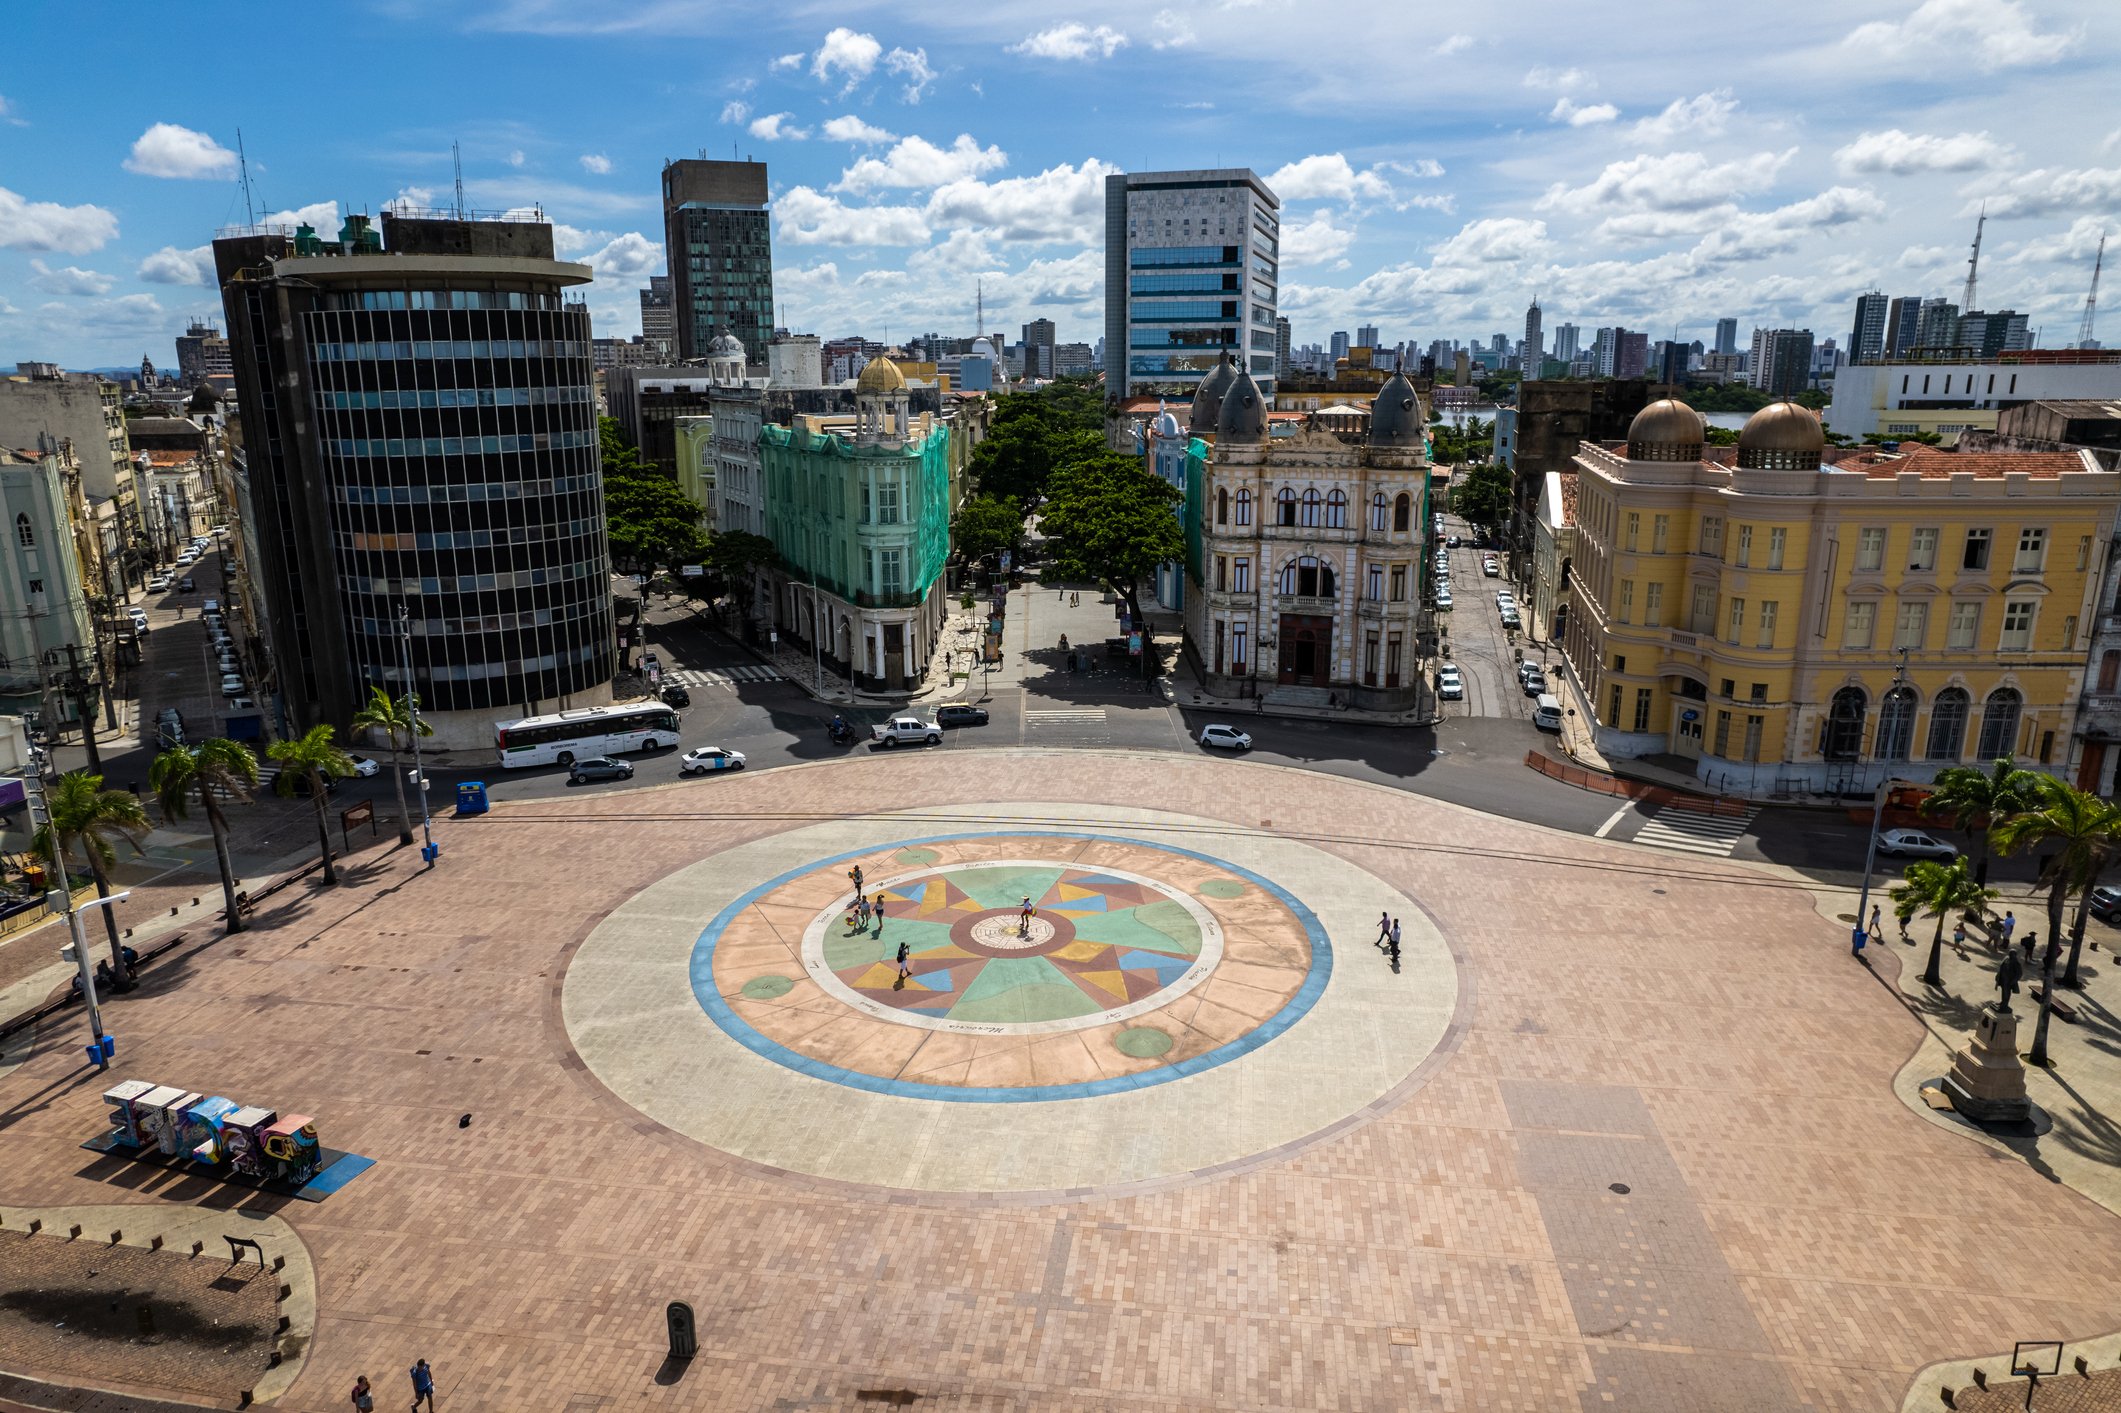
(363, 766)
(702, 759)
(1450, 687)
(232, 685)
(1505, 599)
(1491, 568)
(159, 584)
(1225, 738)
(1913, 843)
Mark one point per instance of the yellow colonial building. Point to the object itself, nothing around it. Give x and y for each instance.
(1751, 614)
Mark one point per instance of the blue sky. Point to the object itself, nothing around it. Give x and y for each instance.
(1652, 164)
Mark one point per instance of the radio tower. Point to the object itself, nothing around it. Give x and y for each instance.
(1973, 265)
(2091, 301)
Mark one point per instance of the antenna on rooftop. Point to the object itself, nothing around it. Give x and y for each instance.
(456, 157)
(1973, 264)
(2091, 301)
(250, 215)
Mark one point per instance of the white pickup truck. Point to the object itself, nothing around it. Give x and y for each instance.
(908, 729)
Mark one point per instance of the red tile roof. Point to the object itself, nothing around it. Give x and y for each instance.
(1569, 492)
(1934, 464)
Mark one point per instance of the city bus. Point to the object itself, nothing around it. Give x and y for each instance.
(568, 736)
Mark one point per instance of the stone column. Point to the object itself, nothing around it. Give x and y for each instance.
(1987, 1082)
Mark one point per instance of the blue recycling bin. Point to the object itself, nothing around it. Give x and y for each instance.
(471, 797)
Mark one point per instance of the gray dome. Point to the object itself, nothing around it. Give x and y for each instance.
(1395, 415)
(1208, 397)
(1244, 416)
(725, 346)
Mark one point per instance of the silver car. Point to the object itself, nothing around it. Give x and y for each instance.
(1913, 843)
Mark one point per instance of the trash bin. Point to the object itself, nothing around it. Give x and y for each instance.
(471, 797)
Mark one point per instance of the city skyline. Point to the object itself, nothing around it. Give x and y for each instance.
(1812, 155)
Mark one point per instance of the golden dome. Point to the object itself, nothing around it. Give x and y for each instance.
(1667, 422)
(880, 375)
(1783, 426)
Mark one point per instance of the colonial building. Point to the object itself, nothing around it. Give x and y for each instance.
(1803, 622)
(1304, 553)
(43, 602)
(861, 517)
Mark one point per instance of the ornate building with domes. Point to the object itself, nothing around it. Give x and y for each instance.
(1799, 619)
(1304, 564)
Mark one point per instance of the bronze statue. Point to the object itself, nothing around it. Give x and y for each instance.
(2008, 973)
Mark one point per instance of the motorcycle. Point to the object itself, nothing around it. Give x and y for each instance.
(842, 733)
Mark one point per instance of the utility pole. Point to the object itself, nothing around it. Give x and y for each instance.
(100, 1047)
(1870, 854)
(84, 695)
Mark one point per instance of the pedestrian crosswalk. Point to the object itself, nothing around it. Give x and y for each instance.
(721, 676)
(1058, 716)
(267, 774)
(1694, 831)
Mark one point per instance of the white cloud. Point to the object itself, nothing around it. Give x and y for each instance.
(1173, 30)
(46, 225)
(848, 53)
(1419, 167)
(1062, 203)
(127, 316)
(516, 158)
(1581, 115)
(324, 215)
(595, 162)
(411, 198)
(1494, 240)
(171, 266)
(1677, 181)
(736, 111)
(916, 162)
(1755, 235)
(631, 257)
(9, 115)
(572, 241)
(1902, 153)
(1986, 34)
(1540, 76)
(853, 129)
(1315, 241)
(803, 216)
(912, 66)
(788, 63)
(2076, 246)
(166, 150)
(1073, 40)
(776, 127)
(70, 279)
(1704, 115)
(1328, 176)
(2044, 192)
(1453, 44)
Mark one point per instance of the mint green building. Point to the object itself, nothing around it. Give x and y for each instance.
(861, 517)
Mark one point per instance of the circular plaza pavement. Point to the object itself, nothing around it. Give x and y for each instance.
(1036, 1007)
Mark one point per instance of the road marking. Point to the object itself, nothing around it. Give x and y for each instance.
(1058, 715)
(1689, 831)
(1607, 827)
(721, 677)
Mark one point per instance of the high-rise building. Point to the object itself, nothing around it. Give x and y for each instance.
(1984, 335)
(1605, 351)
(1631, 354)
(1534, 342)
(1366, 336)
(1867, 339)
(718, 240)
(1281, 347)
(1567, 343)
(202, 356)
(1192, 266)
(1901, 318)
(1726, 336)
(420, 439)
(1337, 346)
(1781, 362)
(1038, 349)
(1937, 325)
(1671, 362)
(658, 327)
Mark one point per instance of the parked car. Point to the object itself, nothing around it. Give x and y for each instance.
(598, 768)
(675, 695)
(1451, 540)
(2105, 902)
(1527, 668)
(159, 584)
(1450, 687)
(232, 685)
(701, 759)
(1443, 598)
(187, 585)
(1535, 683)
(363, 766)
(1226, 738)
(1913, 843)
(1492, 568)
(960, 714)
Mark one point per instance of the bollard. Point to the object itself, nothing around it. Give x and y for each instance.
(1980, 1377)
(73, 1233)
(279, 1263)
(1950, 1400)
(36, 1224)
(154, 1244)
(2083, 1368)
(116, 1237)
(285, 1292)
(286, 1324)
(197, 1247)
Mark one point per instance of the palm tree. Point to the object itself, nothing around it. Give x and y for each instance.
(82, 812)
(1975, 803)
(1939, 889)
(394, 716)
(2106, 844)
(213, 768)
(2081, 830)
(312, 757)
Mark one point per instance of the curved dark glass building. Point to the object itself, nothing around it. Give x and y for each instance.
(420, 434)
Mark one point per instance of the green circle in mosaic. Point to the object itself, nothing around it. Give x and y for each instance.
(1222, 888)
(918, 856)
(1142, 1042)
(765, 988)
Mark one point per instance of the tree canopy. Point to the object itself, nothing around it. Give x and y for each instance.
(1034, 432)
(987, 525)
(1110, 519)
(650, 522)
(1482, 495)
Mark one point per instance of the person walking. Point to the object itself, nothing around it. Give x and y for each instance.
(1384, 930)
(2030, 938)
(1877, 926)
(2010, 925)
(423, 1386)
(1394, 949)
(1959, 935)
(878, 909)
(361, 1398)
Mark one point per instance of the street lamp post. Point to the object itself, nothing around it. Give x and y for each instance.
(100, 1047)
(429, 850)
(1870, 853)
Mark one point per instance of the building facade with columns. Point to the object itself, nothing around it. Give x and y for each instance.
(1798, 621)
(1304, 554)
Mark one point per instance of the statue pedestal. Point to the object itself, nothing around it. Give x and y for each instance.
(1987, 1082)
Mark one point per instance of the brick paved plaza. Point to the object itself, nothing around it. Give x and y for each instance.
(1621, 1133)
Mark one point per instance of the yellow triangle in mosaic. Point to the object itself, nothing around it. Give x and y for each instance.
(1110, 982)
(877, 975)
(1069, 892)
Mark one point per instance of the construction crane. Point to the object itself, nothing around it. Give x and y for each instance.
(2091, 301)
(1973, 265)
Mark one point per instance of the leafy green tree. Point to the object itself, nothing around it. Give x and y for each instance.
(210, 769)
(86, 816)
(396, 718)
(1111, 520)
(735, 558)
(1974, 802)
(1483, 495)
(987, 525)
(2076, 830)
(313, 757)
(1939, 889)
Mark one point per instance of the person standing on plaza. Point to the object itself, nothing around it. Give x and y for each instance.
(423, 1386)
(1395, 939)
(1959, 936)
(362, 1400)
(2010, 925)
(877, 908)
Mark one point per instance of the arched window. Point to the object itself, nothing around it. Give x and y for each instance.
(1311, 504)
(1947, 725)
(1336, 510)
(23, 532)
(1285, 507)
(1999, 724)
(1308, 578)
(1222, 507)
(1402, 511)
(1843, 739)
(1380, 511)
(1896, 724)
(1244, 507)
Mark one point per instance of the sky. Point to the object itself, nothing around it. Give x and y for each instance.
(1654, 164)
